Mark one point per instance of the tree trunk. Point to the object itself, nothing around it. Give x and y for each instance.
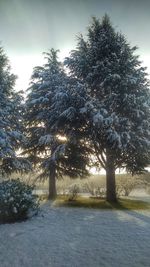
(52, 182)
(110, 178)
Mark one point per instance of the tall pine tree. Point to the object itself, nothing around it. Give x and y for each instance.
(11, 129)
(119, 114)
(51, 146)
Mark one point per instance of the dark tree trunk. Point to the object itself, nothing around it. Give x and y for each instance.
(110, 178)
(52, 182)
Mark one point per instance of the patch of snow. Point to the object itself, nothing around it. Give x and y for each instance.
(72, 237)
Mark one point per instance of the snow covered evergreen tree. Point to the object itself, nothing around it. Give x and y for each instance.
(51, 146)
(119, 114)
(11, 130)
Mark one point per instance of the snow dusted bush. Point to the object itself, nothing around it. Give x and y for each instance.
(73, 192)
(16, 201)
(126, 183)
(94, 189)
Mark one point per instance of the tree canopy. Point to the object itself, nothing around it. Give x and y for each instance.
(118, 87)
(11, 129)
(52, 148)
(101, 106)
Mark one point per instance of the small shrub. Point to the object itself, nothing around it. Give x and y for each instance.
(125, 184)
(100, 192)
(94, 189)
(89, 188)
(73, 191)
(16, 201)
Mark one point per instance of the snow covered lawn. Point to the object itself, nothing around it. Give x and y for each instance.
(72, 237)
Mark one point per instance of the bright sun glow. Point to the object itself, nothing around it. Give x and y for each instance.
(62, 138)
(22, 66)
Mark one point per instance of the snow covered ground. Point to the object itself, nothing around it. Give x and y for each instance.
(72, 237)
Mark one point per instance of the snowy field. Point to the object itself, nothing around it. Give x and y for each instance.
(71, 237)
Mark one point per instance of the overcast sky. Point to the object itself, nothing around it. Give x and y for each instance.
(30, 27)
